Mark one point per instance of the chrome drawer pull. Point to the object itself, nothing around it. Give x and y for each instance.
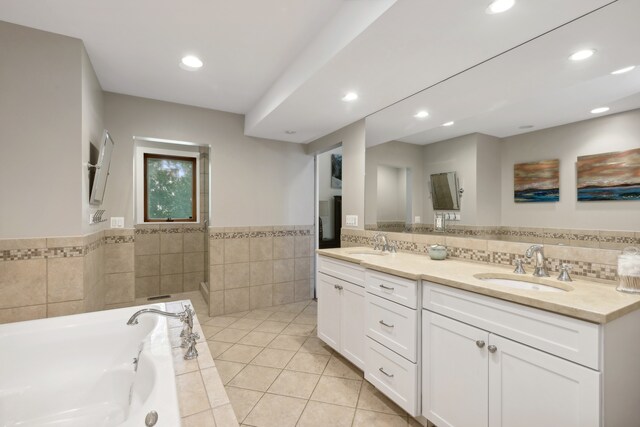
(382, 370)
(387, 287)
(385, 324)
(492, 348)
(480, 343)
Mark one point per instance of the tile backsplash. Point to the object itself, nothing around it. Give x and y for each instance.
(598, 262)
(603, 239)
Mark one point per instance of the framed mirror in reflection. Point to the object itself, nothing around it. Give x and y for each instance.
(445, 195)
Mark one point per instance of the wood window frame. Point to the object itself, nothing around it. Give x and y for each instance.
(194, 193)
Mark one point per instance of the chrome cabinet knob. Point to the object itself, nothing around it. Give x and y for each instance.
(492, 349)
(480, 343)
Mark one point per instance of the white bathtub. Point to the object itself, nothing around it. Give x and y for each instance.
(78, 371)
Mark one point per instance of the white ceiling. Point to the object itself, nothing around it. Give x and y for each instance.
(135, 46)
(286, 63)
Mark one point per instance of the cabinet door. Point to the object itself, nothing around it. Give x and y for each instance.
(352, 323)
(329, 310)
(455, 379)
(530, 388)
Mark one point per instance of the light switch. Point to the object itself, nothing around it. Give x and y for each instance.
(352, 220)
(117, 222)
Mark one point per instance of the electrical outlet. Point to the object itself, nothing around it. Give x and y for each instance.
(352, 220)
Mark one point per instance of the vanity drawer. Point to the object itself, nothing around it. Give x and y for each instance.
(563, 336)
(393, 375)
(397, 289)
(344, 270)
(392, 325)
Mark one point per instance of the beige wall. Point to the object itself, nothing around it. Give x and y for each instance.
(400, 155)
(253, 181)
(601, 135)
(40, 133)
(488, 180)
(352, 139)
(453, 155)
(92, 128)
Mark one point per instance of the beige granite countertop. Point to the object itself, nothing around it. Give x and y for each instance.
(591, 301)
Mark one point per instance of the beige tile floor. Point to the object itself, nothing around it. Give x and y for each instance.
(277, 373)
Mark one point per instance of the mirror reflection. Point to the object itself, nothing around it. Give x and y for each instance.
(532, 105)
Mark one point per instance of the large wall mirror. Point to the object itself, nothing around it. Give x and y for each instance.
(520, 120)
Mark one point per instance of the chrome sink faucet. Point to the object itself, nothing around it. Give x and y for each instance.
(380, 241)
(540, 269)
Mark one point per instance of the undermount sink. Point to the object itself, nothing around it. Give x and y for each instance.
(525, 283)
(367, 252)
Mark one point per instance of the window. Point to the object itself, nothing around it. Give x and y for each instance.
(169, 188)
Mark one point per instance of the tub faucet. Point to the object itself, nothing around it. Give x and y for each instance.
(189, 338)
(540, 269)
(133, 320)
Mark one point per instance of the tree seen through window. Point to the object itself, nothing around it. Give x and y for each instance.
(169, 188)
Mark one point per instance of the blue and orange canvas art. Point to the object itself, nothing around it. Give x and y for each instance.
(537, 181)
(609, 176)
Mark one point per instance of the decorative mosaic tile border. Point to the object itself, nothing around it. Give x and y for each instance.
(110, 240)
(42, 253)
(588, 238)
(258, 234)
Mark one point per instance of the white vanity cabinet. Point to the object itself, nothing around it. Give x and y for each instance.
(492, 363)
(341, 302)
(472, 378)
(392, 343)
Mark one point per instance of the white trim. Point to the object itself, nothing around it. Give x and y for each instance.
(139, 178)
(168, 141)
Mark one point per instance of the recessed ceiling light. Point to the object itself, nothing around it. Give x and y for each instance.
(350, 96)
(191, 63)
(599, 110)
(582, 54)
(499, 6)
(290, 132)
(624, 70)
(448, 124)
(421, 114)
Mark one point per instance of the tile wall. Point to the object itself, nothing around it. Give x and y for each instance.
(47, 277)
(119, 266)
(596, 263)
(255, 267)
(169, 258)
